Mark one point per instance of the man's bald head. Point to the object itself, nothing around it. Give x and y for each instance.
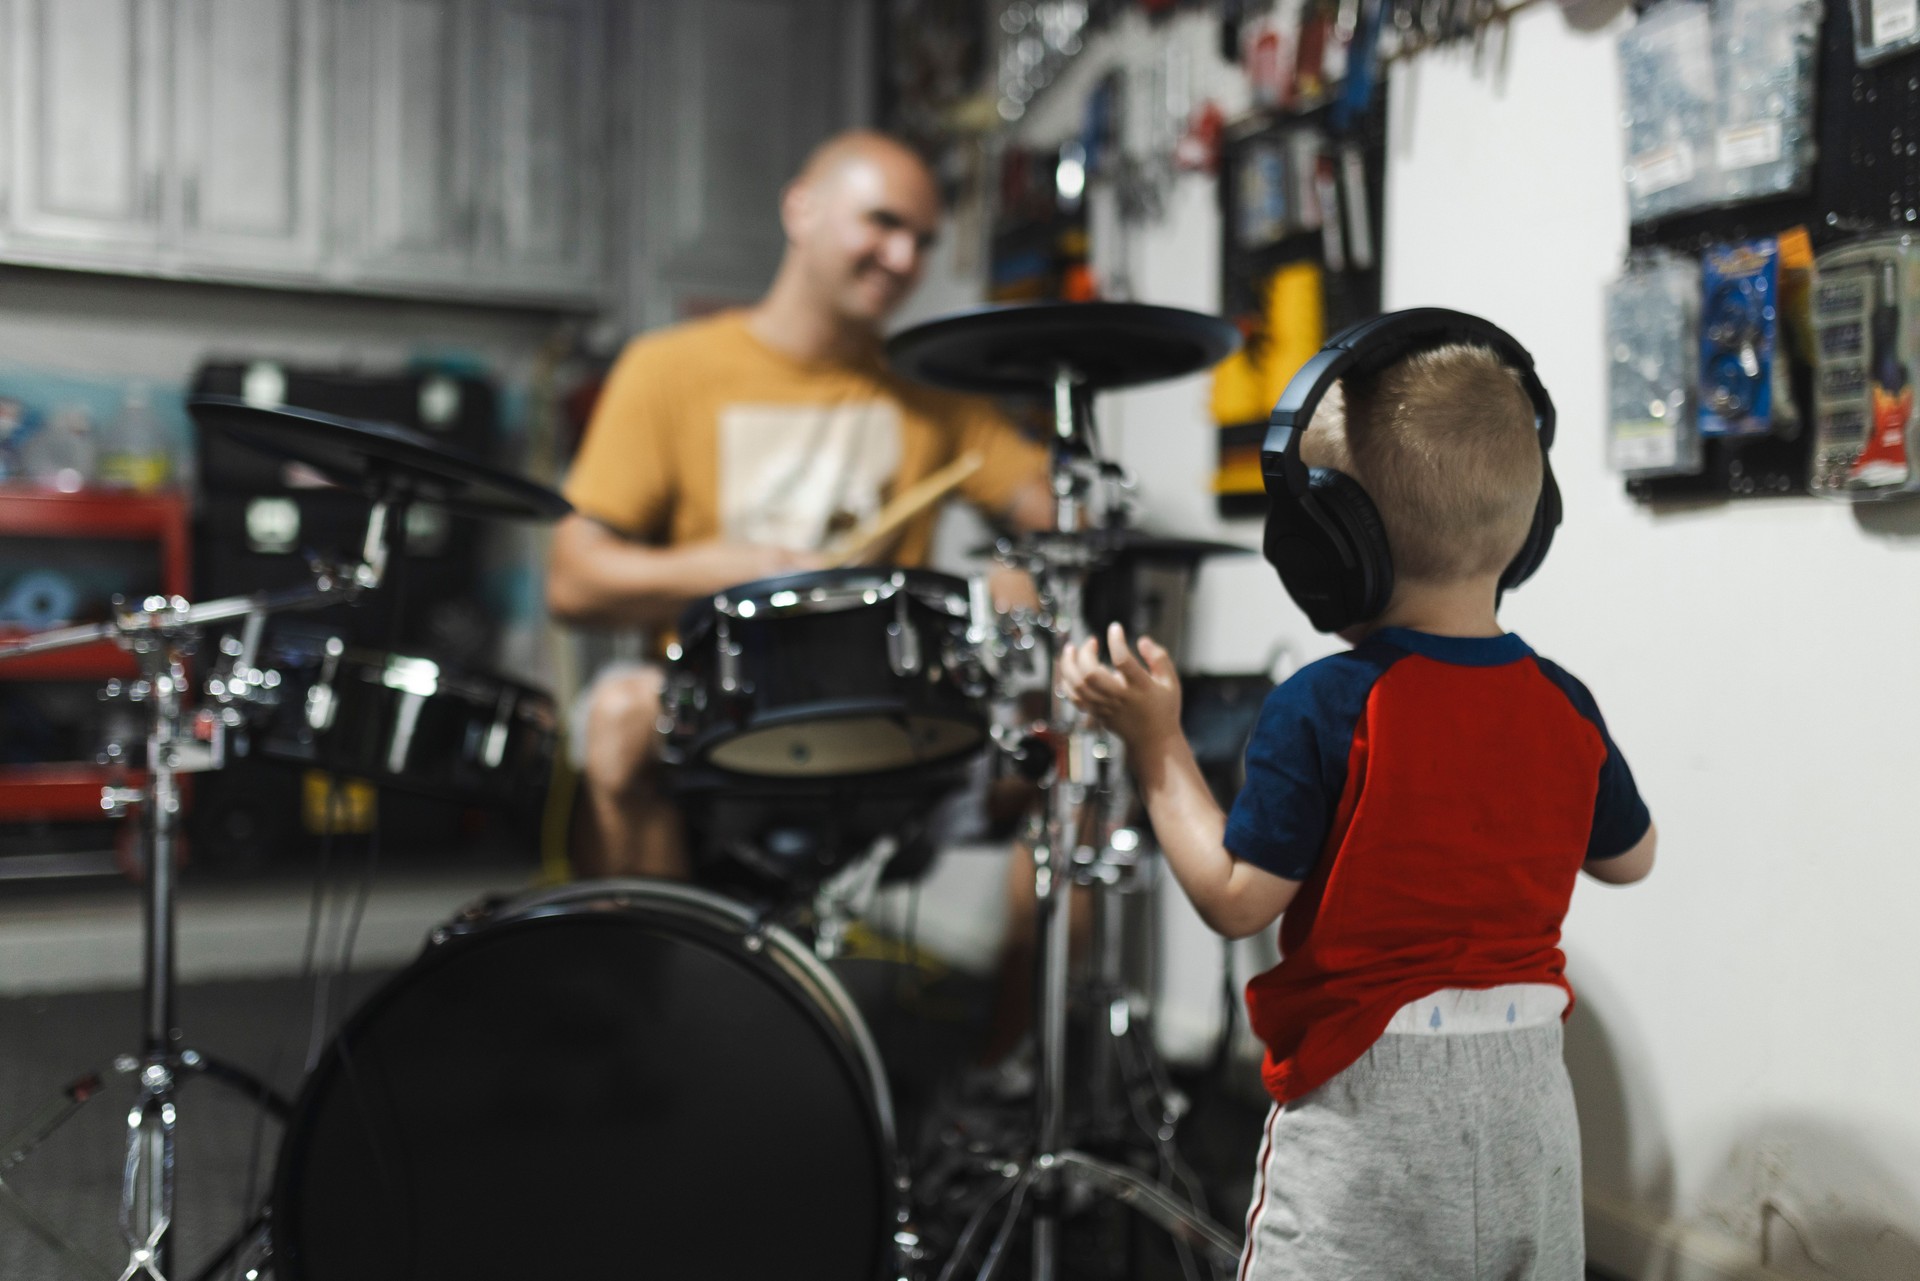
(859, 218)
(856, 146)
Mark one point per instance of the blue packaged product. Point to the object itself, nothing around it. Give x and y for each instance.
(1739, 334)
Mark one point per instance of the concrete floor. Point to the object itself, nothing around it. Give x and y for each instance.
(67, 1007)
(48, 1039)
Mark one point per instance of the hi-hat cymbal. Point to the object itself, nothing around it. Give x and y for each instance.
(1022, 349)
(380, 459)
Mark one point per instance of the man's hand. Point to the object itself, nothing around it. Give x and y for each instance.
(1136, 698)
(596, 575)
(732, 563)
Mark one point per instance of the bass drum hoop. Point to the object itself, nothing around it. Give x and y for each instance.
(699, 914)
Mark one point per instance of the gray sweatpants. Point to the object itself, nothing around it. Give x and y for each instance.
(1433, 1158)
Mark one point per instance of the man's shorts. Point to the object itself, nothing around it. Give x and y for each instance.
(577, 714)
(1433, 1158)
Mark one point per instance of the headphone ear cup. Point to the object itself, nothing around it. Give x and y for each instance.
(1369, 581)
(1546, 518)
(1331, 551)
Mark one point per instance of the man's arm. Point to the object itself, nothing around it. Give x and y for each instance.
(1031, 510)
(595, 575)
(1625, 869)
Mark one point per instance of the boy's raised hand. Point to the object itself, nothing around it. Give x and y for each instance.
(1136, 698)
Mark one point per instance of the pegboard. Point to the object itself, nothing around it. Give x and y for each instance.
(1866, 178)
(1351, 294)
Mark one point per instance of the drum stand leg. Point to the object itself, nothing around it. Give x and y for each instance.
(1034, 1182)
(147, 1174)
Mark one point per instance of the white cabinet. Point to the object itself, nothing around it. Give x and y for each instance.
(249, 133)
(473, 154)
(731, 95)
(86, 151)
(435, 148)
(544, 159)
(405, 207)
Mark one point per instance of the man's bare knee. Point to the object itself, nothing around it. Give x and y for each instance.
(621, 736)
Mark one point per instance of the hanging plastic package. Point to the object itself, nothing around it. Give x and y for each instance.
(1764, 53)
(1653, 338)
(1884, 29)
(1739, 335)
(1866, 314)
(1667, 83)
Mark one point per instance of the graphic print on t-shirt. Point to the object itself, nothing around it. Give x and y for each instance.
(793, 475)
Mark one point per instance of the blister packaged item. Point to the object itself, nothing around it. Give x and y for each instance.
(1653, 334)
(1667, 82)
(1866, 314)
(1262, 194)
(1764, 53)
(1793, 325)
(1883, 29)
(1739, 332)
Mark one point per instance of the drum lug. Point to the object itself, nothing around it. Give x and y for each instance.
(729, 656)
(903, 641)
(681, 696)
(320, 694)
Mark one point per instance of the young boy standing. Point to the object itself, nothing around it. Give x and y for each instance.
(1418, 808)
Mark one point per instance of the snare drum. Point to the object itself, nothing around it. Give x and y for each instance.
(830, 674)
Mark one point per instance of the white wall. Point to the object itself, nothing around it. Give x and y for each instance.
(1749, 1015)
(1749, 1019)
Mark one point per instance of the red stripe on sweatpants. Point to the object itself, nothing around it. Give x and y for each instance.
(1259, 1196)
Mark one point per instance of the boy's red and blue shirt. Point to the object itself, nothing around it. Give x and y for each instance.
(1437, 796)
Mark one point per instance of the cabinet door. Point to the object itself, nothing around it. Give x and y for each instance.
(404, 208)
(732, 95)
(544, 152)
(248, 89)
(88, 148)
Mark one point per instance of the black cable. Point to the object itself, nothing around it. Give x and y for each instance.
(316, 910)
(1229, 1006)
(912, 940)
(323, 977)
(308, 953)
(359, 908)
(254, 1149)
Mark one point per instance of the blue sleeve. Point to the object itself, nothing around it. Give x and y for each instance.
(1297, 764)
(1620, 817)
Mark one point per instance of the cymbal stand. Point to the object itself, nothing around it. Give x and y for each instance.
(1085, 764)
(163, 635)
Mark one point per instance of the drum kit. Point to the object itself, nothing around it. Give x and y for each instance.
(638, 1075)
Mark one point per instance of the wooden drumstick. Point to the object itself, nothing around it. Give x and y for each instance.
(857, 544)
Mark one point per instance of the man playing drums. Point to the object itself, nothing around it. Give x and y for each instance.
(737, 447)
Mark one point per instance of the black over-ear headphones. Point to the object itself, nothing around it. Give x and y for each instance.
(1323, 533)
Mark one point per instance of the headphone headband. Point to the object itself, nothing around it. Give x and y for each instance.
(1323, 532)
(1369, 347)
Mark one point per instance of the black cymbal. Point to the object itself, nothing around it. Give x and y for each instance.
(1021, 349)
(1121, 544)
(380, 459)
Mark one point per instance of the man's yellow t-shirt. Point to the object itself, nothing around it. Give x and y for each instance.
(703, 431)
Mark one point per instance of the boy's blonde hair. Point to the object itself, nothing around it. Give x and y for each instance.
(1444, 442)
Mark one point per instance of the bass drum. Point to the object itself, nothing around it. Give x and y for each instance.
(617, 1078)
